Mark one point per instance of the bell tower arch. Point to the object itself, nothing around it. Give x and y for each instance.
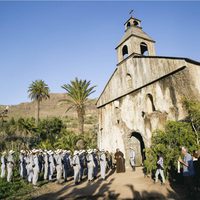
(135, 41)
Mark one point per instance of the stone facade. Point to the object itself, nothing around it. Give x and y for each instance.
(143, 93)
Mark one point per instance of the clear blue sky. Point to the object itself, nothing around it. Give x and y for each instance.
(58, 41)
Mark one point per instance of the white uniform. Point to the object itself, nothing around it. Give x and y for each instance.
(103, 165)
(46, 165)
(36, 169)
(76, 166)
(59, 167)
(132, 158)
(10, 166)
(51, 166)
(90, 165)
(3, 166)
(29, 167)
(22, 166)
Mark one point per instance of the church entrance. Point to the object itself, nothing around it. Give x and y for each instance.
(137, 143)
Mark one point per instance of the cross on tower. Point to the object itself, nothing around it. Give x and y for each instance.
(130, 13)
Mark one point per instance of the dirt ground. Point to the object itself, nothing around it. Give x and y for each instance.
(129, 185)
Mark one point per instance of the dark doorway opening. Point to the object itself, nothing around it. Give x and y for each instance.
(137, 143)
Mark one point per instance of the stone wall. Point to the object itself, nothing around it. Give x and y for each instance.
(142, 72)
(144, 109)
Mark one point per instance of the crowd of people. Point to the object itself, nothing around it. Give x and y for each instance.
(62, 164)
(59, 164)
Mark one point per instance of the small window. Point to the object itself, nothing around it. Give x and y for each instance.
(129, 80)
(144, 49)
(150, 103)
(128, 25)
(135, 23)
(125, 51)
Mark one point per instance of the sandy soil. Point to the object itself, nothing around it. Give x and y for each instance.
(129, 185)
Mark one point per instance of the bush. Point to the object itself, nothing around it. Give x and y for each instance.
(168, 143)
(17, 189)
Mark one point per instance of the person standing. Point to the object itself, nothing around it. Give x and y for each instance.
(103, 164)
(10, 165)
(188, 171)
(40, 160)
(46, 164)
(3, 165)
(160, 169)
(82, 163)
(35, 166)
(109, 160)
(76, 166)
(132, 158)
(29, 166)
(59, 163)
(66, 164)
(90, 164)
(120, 164)
(22, 162)
(96, 163)
(51, 165)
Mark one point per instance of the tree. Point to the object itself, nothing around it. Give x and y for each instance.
(78, 92)
(38, 90)
(50, 129)
(168, 142)
(193, 109)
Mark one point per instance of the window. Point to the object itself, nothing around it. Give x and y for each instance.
(150, 103)
(144, 49)
(129, 80)
(125, 51)
(135, 23)
(128, 25)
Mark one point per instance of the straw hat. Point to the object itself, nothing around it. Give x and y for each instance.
(22, 151)
(90, 151)
(11, 152)
(76, 152)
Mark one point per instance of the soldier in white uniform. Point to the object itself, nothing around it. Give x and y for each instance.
(29, 166)
(3, 165)
(59, 165)
(46, 165)
(90, 164)
(103, 164)
(22, 162)
(76, 167)
(35, 166)
(132, 158)
(51, 165)
(10, 165)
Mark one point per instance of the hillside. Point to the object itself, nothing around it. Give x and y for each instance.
(50, 108)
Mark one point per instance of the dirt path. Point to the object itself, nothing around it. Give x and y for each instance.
(129, 185)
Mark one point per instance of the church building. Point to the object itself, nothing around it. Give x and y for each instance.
(143, 93)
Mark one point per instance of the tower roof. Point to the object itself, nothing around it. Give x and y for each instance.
(136, 32)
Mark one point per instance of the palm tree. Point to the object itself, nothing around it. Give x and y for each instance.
(78, 92)
(38, 90)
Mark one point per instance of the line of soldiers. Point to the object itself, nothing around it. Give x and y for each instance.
(60, 162)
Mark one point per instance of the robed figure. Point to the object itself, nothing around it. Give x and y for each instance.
(120, 162)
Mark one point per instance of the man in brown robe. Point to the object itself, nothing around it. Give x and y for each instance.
(120, 162)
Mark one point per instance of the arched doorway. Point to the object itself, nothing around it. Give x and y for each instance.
(137, 143)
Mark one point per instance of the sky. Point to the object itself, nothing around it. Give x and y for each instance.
(58, 41)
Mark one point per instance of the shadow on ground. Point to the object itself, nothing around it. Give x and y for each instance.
(100, 189)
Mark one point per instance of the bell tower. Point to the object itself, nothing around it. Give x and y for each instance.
(135, 41)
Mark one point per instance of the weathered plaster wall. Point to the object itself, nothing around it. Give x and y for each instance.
(135, 112)
(142, 71)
